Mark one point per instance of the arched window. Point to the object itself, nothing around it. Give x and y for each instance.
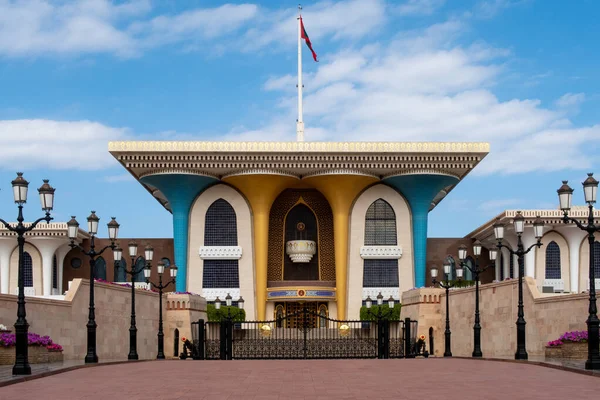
(220, 226)
(27, 270)
(501, 266)
(380, 224)
(140, 263)
(452, 274)
(552, 261)
(467, 274)
(380, 230)
(166, 261)
(220, 229)
(54, 273)
(322, 316)
(100, 268)
(596, 249)
(120, 267)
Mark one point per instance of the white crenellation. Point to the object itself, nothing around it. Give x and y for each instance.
(380, 252)
(212, 294)
(385, 292)
(220, 252)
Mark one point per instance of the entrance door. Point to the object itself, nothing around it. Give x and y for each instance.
(295, 315)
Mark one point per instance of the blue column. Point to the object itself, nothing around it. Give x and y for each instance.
(419, 191)
(181, 190)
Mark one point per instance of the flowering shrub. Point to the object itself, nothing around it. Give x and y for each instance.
(190, 293)
(54, 347)
(33, 339)
(572, 337)
(3, 327)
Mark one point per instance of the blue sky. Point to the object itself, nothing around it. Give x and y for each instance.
(522, 75)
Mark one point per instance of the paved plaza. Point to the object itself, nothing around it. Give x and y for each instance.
(311, 379)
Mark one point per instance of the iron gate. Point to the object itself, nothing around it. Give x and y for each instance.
(307, 334)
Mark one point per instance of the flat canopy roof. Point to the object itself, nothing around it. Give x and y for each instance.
(298, 159)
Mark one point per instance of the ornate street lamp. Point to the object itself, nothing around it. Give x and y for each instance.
(476, 270)
(113, 232)
(446, 285)
(383, 323)
(133, 271)
(160, 269)
(538, 231)
(20, 186)
(565, 196)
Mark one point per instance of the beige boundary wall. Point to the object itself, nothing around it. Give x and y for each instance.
(547, 316)
(65, 320)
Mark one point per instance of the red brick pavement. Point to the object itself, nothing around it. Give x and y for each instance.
(311, 379)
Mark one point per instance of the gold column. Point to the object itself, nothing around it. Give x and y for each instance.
(340, 191)
(261, 191)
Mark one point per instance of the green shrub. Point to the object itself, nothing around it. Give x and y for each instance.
(385, 310)
(215, 315)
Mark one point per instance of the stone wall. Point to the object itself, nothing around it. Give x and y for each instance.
(65, 320)
(547, 316)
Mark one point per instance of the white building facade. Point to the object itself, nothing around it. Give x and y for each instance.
(561, 263)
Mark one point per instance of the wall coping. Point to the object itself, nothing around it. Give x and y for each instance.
(529, 283)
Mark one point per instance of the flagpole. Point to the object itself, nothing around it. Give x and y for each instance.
(300, 122)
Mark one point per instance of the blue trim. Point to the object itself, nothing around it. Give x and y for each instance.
(181, 190)
(419, 191)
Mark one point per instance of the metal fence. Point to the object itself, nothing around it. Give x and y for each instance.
(305, 335)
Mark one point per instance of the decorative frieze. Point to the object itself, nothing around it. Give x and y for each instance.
(212, 294)
(220, 252)
(385, 292)
(380, 252)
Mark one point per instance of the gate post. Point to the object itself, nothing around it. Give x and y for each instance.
(383, 338)
(408, 353)
(199, 347)
(222, 340)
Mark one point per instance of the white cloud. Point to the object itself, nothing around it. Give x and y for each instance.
(426, 87)
(570, 100)
(322, 20)
(39, 143)
(419, 7)
(126, 29)
(197, 23)
(43, 27)
(495, 205)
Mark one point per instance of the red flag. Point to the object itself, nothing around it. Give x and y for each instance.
(304, 36)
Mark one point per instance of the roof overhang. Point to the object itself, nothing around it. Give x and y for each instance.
(298, 159)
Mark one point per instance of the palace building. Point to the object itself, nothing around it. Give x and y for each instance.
(281, 223)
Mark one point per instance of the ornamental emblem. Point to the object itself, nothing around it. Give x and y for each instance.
(301, 293)
(300, 226)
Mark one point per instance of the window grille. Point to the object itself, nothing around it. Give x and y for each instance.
(380, 273)
(380, 224)
(552, 261)
(220, 227)
(220, 274)
(27, 270)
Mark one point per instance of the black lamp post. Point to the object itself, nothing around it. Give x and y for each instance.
(46, 192)
(447, 285)
(476, 270)
(565, 195)
(538, 231)
(383, 324)
(380, 315)
(161, 269)
(133, 271)
(113, 231)
(228, 300)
